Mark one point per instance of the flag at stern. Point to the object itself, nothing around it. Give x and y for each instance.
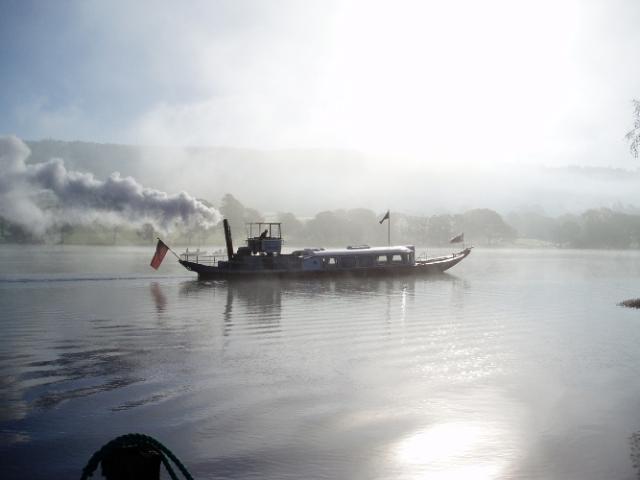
(457, 238)
(161, 251)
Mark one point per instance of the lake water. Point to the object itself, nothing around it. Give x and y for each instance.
(517, 364)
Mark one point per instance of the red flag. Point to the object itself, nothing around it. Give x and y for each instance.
(161, 251)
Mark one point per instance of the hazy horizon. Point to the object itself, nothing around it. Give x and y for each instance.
(308, 181)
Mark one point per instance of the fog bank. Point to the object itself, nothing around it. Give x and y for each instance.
(308, 181)
(40, 195)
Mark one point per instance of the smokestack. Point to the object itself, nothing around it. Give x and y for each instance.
(227, 238)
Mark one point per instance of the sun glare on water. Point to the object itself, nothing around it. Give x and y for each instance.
(449, 451)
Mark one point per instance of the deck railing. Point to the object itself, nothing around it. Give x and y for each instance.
(203, 258)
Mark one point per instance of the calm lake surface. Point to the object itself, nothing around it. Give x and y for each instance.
(517, 364)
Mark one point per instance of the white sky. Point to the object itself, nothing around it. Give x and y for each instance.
(443, 83)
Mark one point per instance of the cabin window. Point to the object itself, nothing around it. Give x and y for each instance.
(381, 259)
(366, 261)
(397, 258)
(330, 262)
(347, 262)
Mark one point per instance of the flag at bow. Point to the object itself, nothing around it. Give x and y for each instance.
(386, 217)
(457, 238)
(161, 251)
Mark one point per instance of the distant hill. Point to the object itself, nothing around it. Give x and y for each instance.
(599, 173)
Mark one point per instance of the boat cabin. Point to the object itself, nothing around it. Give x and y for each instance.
(357, 257)
(264, 238)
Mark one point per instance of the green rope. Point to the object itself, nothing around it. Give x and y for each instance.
(137, 440)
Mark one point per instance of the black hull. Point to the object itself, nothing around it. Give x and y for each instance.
(424, 267)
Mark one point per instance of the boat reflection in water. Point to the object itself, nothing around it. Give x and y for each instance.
(260, 301)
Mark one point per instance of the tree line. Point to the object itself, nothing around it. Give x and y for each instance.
(595, 228)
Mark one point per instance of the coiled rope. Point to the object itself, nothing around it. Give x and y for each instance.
(136, 440)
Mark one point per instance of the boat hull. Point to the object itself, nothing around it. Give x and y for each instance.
(421, 267)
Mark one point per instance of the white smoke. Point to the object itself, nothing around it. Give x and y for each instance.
(38, 196)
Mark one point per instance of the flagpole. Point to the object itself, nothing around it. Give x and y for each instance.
(387, 217)
(389, 231)
(177, 256)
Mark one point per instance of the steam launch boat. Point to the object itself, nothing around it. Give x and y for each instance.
(263, 257)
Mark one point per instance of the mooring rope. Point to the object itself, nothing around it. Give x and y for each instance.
(136, 440)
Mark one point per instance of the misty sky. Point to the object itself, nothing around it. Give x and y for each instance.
(466, 82)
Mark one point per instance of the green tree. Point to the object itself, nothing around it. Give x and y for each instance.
(146, 232)
(362, 227)
(232, 210)
(252, 215)
(533, 224)
(13, 233)
(292, 228)
(116, 232)
(65, 230)
(327, 228)
(567, 233)
(237, 215)
(439, 229)
(484, 225)
(604, 228)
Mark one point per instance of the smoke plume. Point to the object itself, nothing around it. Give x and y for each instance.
(38, 196)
